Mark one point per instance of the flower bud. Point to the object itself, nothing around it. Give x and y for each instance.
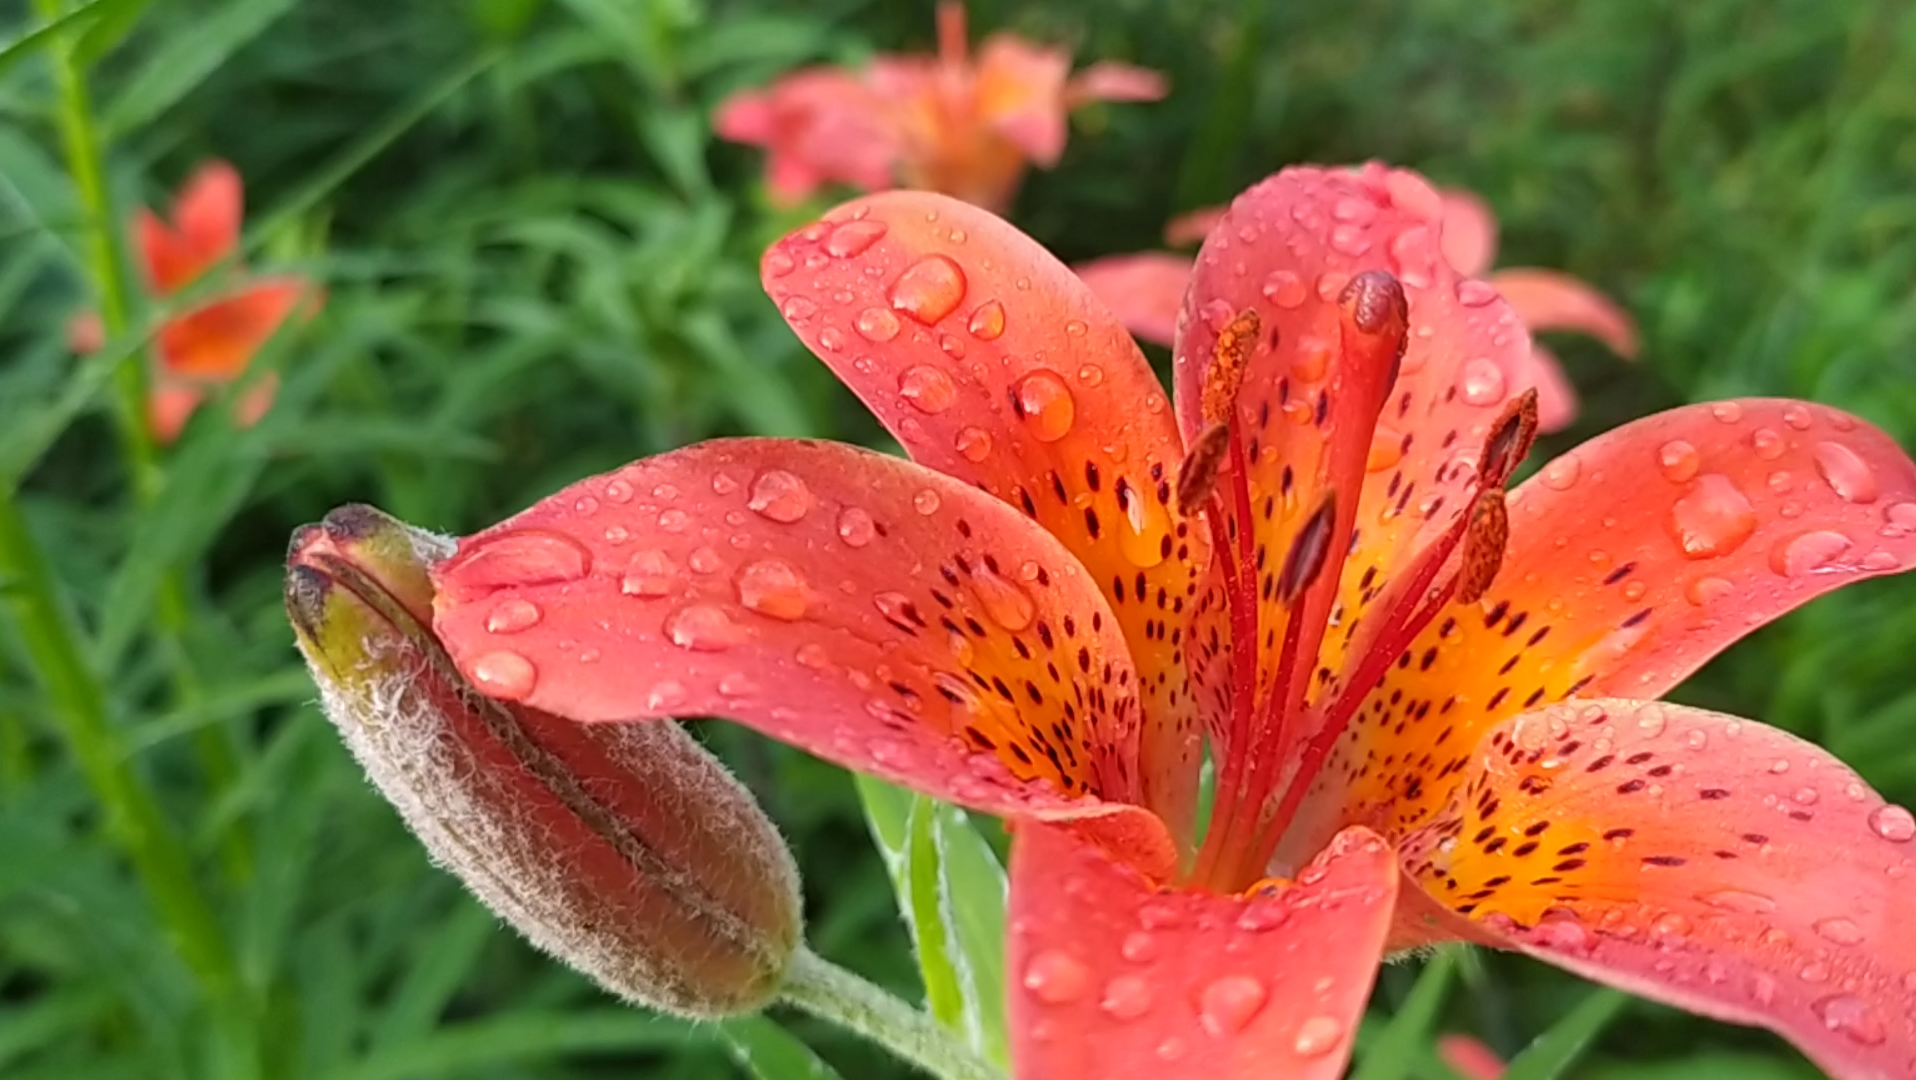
(625, 850)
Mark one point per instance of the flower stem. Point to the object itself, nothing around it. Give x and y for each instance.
(832, 993)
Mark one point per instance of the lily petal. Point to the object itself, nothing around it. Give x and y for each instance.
(1111, 80)
(1556, 394)
(1116, 978)
(1144, 291)
(1550, 300)
(1632, 560)
(1712, 863)
(1470, 232)
(992, 363)
(819, 125)
(868, 610)
(215, 343)
(1021, 95)
(205, 228)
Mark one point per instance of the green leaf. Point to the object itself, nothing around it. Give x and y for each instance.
(114, 21)
(522, 1037)
(767, 1051)
(951, 892)
(42, 35)
(183, 61)
(1550, 1053)
(1392, 1053)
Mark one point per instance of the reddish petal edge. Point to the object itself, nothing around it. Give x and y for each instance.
(1116, 978)
(1144, 291)
(1708, 862)
(1551, 300)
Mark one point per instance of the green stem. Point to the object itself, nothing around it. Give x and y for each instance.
(105, 264)
(831, 993)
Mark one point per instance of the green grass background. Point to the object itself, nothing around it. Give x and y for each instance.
(539, 264)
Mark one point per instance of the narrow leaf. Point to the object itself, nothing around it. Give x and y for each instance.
(1550, 1053)
(767, 1051)
(1392, 1053)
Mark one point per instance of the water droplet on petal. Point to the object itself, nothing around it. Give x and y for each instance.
(1481, 382)
(988, 322)
(512, 615)
(1139, 947)
(1562, 474)
(1047, 405)
(1839, 931)
(665, 695)
(1474, 293)
(1729, 412)
(853, 238)
(1284, 289)
(973, 444)
(1651, 719)
(503, 674)
(1350, 240)
(813, 655)
(927, 388)
(1805, 796)
(1708, 590)
(925, 501)
(1713, 519)
(1386, 450)
(780, 496)
(1853, 1018)
(737, 684)
(706, 561)
(1679, 461)
(1004, 601)
(1846, 473)
(1126, 997)
(1796, 416)
(856, 527)
(1056, 978)
(1318, 1036)
(1769, 445)
(1810, 553)
(1228, 1005)
(520, 558)
(703, 628)
(650, 573)
(1413, 252)
(1740, 901)
(1893, 823)
(929, 289)
(876, 324)
(798, 310)
(1091, 375)
(779, 263)
(773, 588)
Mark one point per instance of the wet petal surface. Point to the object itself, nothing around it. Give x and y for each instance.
(1115, 978)
(870, 611)
(1632, 560)
(1713, 863)
(992, 363)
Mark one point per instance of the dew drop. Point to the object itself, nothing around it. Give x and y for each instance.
(664, 695)
(513, 615)
(929, 289)
(876, 324)
(1145, 522)
(1839, 931)
(1126, 997)
(973, 444)
(1805, 796)
(1713, 519)
(1318, 1036)
(1679, 461)
(1047, 405)
(1739, 901)
(737, 684)
(674, 521)
(1139, 947)
(778, 263)
(520, 558)
(1796, 416)
(1284, 289)
(1091, 375)
(702, 628)
(1729, 412)
(1350, 239)
(1228, 1005)
(1562, 473)
(1004, 601)
(1893, 823)
(831, 340)
(856, 527)
(1330, 285)
(1852, 1018)
(927, 388)
(780, 496)
(925, 501)
(1481, 382)
(812, 655)
(988, 322)
(773, 588)
(650, 573)
(1474, 293)
(1769, 445)
(1846, 473)
(503, 674)
(853, 238)
(1651, 720)
(1809, 553)
(798, 310)
(706, 561)
(1056, 978)
(1413, 253)
(1386, 450)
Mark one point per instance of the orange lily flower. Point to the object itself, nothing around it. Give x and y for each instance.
(211, 345)
(1424, 697)
(943, 123)
(1146, 288)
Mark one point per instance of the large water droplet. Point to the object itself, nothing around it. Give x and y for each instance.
(927, 388)
(876, 324)
(1056, 978)
(1846, 473)
(650, 573)
(1414, 252)
(925, 501)
(780, 496)
(1227, 1006)
(853, 238)
(1809, 553)
(1713, 519)
(1284, 289)
(1679, 461)
(1481, 382)
(503, 674)
(1318, 1036)
(779, 262)
(520, 558)
(1839, 931)
(929, 289)
(1145, 526)
(773, 588)
(856, 527)
(1796, 416)
(973, 444)
(1126, 997)
(703, 628)
(1893, 823)
(1004, 601)
(1708, 590)
(1047, 405)
(798, 310)
(988, 322)
(513, 615)
(1853, 1018)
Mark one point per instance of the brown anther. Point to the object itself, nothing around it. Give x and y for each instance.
(1197, 475)
(1510, 439)
(1309, 552)
(1229, 357)
(1484, 540)
(1374, 305)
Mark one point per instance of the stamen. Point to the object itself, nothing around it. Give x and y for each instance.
(1309, 552)
(1510, 439)
(1197, 475)
(1229, 357)
(1484, 541)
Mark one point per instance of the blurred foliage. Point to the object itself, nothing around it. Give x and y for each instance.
(540, 264)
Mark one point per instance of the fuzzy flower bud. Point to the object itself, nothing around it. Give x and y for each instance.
(625, 850)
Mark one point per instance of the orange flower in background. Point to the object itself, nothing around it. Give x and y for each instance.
(1145, 289)
(1425, 695)
(211, 345)
(1469, 1058)
(944, 122)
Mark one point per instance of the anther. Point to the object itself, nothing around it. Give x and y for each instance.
(1484, 540)
(1229, 357)
(1510, 439)
(1197, 475)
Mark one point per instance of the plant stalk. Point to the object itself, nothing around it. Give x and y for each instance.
(834, 994)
